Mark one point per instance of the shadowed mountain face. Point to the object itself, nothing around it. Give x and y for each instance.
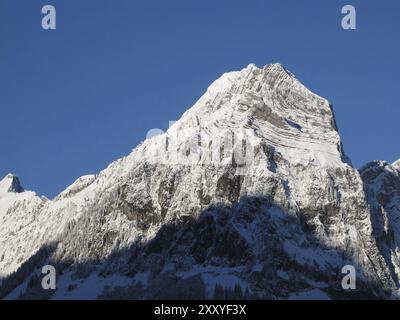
(249, 250)
(249, 194)
(382, 188)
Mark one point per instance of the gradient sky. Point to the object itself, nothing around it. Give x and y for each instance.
(75, 99)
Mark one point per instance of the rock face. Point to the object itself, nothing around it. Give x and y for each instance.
(382, 187)
(249, 194)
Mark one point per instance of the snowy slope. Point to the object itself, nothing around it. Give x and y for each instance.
(250, 190)
(396, 164)
(18, 212)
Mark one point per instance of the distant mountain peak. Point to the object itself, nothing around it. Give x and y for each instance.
(11, 183)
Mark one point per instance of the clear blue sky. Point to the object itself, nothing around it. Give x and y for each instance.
(74, 99)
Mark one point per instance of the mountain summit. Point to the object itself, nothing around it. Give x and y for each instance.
(10, 183)
(249, 194)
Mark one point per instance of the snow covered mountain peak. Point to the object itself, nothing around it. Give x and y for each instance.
(250, 185)
(10, 183)
(260, 106)
(244, 76)
(396, 164)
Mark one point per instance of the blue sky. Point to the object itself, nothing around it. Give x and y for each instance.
(74, 99)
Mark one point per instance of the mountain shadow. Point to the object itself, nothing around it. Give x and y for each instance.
(251, 250)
